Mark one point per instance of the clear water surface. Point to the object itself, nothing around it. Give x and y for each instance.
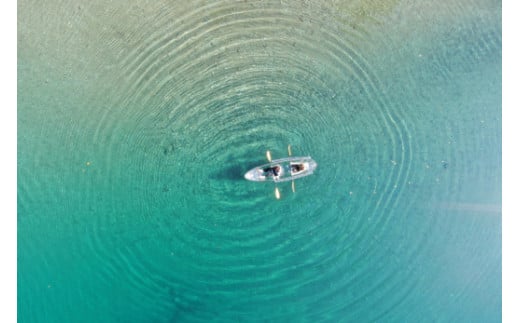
(138, 119)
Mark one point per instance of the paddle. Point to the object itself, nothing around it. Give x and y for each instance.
(290, 153)
(276, 190)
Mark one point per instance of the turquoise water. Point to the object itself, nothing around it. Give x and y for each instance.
(137, 121)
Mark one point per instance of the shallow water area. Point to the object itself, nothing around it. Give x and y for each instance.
(138, 120)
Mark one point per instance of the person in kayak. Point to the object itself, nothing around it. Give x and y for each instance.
(296, 168)
(272, 171)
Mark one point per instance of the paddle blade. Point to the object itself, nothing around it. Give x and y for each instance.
(268, 155)
(289, 150)
(277, 193)
(293, 188)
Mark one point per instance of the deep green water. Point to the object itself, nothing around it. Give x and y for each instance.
(137, 121)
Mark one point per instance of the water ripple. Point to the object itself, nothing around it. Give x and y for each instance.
(227, 84)
(202, 93)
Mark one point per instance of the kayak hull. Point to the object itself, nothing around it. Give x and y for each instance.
(258, 174)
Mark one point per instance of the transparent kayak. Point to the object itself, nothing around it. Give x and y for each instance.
(281, 170)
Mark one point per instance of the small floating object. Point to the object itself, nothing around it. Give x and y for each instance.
(282, 170)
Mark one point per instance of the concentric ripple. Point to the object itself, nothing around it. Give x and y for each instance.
(198, 93)
(212, 94)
